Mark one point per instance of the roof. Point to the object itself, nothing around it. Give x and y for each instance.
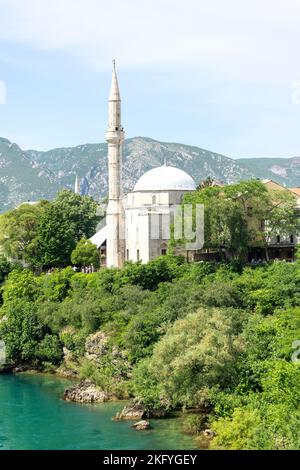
(165, 178)
(100, 237)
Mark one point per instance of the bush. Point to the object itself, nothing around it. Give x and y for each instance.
(194, 423)
(201, 351)
(85, 254)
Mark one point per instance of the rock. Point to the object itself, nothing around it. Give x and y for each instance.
(85, 392)
(66, 372)
(141, 425)
(96, 346)
(67, 353)
(136, 410)
(208, 433)
(157, 413)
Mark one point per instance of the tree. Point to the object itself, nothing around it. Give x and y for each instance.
(207, 183)
(245, 214)
(26, 338)
(197, 352)
(280, 217)
(5, 268)
(80, 211)
(56, 238)
(68, 219)
(18, 231)
(85, 254)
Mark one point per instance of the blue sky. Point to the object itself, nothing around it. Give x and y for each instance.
(220, 75)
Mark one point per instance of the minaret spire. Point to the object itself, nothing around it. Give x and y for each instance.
(114, 89)
(115, 215)
(77, 186)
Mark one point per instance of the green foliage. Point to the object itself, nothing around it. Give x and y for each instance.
(20, 286)
(45, 234)
(236, 214)
(54, 287)
(269, 420)
(55, 237)
(18, 229)
(194, 423)
(27, 339)
(241, 432)
(214, 337)
(85, 254)
(80, 211)
(5, 268)
(201, 351)
(50, 350)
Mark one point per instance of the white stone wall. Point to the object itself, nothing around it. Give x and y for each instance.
(147, 223)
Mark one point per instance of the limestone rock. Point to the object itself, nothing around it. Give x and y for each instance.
(67, 353)
(141, 425)
(85, 392)
(96, 346)
(208, 433)
(135, 410)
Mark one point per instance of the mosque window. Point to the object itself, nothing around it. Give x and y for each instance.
(138, 255)
(163, 251)
(127, 254)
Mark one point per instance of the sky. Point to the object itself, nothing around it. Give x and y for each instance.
(221, 75)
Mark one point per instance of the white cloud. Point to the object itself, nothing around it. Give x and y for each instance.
(244, 39)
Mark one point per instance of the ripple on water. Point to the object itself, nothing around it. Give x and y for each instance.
(33, 416)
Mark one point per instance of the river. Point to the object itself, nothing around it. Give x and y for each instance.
(33, 416)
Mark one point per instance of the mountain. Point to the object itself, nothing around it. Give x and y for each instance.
(33, 175)
(283, 170)
(21, 178)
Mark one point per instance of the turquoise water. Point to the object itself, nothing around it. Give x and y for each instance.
(33, 416)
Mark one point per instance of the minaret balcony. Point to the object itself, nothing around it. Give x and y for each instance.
(115, 136)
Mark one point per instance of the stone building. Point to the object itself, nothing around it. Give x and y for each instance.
(137, 224)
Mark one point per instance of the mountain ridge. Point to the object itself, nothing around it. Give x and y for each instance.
(33, 174)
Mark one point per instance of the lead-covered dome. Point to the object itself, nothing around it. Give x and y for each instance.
(165, 178)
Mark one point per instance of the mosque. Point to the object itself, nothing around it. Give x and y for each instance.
(137, 224)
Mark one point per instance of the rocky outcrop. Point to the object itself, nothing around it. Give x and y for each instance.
(96, 346)
(85, 392)
(135, 410)
(141, 425)
(67, 372)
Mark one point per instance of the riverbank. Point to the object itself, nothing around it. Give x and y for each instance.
(33, 416)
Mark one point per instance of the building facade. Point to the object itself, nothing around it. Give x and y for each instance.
(137, 224)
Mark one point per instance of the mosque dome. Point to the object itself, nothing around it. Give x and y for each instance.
(165, 178)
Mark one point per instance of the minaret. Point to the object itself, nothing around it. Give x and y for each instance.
(115, 249)
(77, 186)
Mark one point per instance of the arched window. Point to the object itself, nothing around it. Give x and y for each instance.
(163, 250)
(153, 199)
